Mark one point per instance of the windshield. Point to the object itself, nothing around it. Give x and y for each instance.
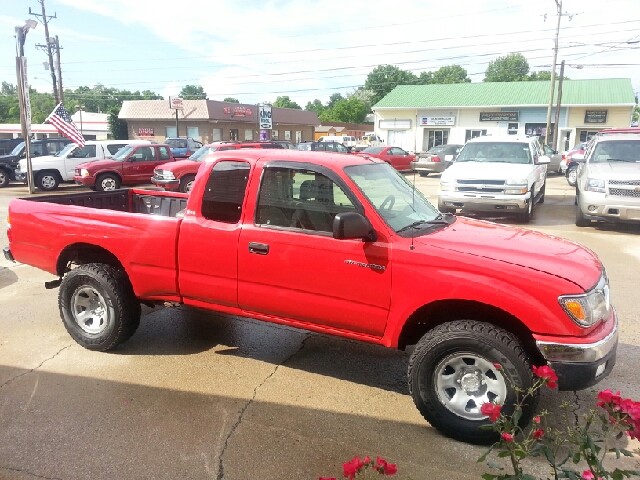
(202, 152)
(393, 197)
(374, 150)
(617, 151)
(18, 149)
(304, 146)
(176, 143)
(123, 153)
(437, 150)
(505, 152)
(65, 150)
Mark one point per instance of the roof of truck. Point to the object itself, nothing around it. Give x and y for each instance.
(317, 157)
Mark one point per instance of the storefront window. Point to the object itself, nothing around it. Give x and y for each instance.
(193, 132)
(298, 136)
(287, 135)
(171, 132)
(216, 135)
(248, 134)
(586, 135)
(512, 129)
(274, 134)
(233, 134)
(433, 138)
(474, 134)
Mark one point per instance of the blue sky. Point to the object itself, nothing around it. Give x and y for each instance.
(258, 50)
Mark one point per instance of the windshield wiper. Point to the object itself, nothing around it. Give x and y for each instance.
(622, 160)
(446, 219)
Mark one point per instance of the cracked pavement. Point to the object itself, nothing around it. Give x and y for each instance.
(197, 395)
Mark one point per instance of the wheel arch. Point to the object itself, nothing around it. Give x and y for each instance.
(430, 316)
(83, 253)
(108, 172)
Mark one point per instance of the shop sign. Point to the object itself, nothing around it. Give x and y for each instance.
(237, 111)
(595, 116)
(428, 121)
(265, 116)
(395, 124)
(175, 103)
(145, 132)
(499, 116)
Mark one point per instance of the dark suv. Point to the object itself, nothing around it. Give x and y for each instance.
(9, 163)
(323, 147)
(8, 144)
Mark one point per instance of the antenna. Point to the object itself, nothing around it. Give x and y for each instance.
(413, 205)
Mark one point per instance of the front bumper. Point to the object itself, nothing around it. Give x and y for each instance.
(431, 167)
(7, 254)
(168, 184)
(601, 206)
(86, 181)
(20, 176)
(484, 202)
(580, 366)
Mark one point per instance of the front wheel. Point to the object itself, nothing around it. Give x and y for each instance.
(107, 182)
(572, 176)
(4, 178)
(581, 219)
(525, 217)
(452, 373)
(47, 181)
(186, 183)
(98, 307)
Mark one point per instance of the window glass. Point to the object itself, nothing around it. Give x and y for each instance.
(502, 152)
(304, 146)
(287, 134)
(193, 132)
(216, 135)
(248, 134)
(114, 147)
(374, 150)
(53, 147)
(233, 134)
(144, 154)
(329, 146)
(274, 134)
(341, 148)
(37, 150)
(298, 136)
(225, 190)
(171, 132)
(474, 134)
(298, 198)
(617, 151)
(176, 142)
(88, 151)
(163, 153)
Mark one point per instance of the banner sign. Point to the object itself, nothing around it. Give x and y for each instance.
(499, 116)
(175, 103)
(595, 116)
(238, 111)
(437, 121)
(264, 115)
(145, 132)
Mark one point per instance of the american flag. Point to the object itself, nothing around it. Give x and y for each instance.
(61, 119)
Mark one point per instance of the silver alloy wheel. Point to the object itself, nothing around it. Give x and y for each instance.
(108, 184)
(47, 181)
(189, 186)
(465, 381)
(572, 176)
(3, 177)
(90, 310)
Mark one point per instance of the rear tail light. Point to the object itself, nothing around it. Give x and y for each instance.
(188, 152)
(435, 158)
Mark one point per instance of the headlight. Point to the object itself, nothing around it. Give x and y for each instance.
(84, 172)
(447, 187)
(595, 185)
(589, 308)
(167, 175)
(521, 182)
(516, 191)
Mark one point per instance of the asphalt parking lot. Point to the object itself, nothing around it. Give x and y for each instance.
(198, 395)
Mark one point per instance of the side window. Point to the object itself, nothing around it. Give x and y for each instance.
(163, 153)
(114, 147)
(300, 199)
(144, 154)
(225, 190)
(37, 150)
(54, 147)
(330, 146)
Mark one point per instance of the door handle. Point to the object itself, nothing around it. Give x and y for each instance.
(259, 248)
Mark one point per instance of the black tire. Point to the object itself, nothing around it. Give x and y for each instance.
(482, 345)
(571, 175)
(581, 220)
(444, 209)
(107, 182)
(525, 217)
(47, 181)
(423, 174)
(186, 183)
(542, 192)
(5, 177)
(115, 314)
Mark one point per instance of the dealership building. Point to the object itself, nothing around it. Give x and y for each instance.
(418, 117)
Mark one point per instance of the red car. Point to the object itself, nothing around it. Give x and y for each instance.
(131, 165)
(179, 176)
(394, 156)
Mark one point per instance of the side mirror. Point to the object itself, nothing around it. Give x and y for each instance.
(353, 225)
(543, 159)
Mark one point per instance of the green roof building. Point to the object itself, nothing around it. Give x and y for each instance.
(417, 117)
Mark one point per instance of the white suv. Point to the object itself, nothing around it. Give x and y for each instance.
(608, 182)
(496, 174)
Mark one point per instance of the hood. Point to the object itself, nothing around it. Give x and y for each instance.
(36, 161)
(486, 171)
(172, 166)
(617, 170)
(519, 246)
(98, 164)
(8, 158)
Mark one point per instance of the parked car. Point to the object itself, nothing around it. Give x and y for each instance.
(608, 180)
(346, 140)
(344, 246)
(323, 147)
(180, 175)
(555, 158)
(285, 143)
(571, 163)
(503, 175)
(368, 140)
(132, 165)
(45, 146)
(394, 156)
(436, 159)
(183, 147)
(51, 170)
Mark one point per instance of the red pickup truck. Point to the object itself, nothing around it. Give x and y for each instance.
(131, 165)
(337, 244)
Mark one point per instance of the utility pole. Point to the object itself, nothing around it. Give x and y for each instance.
(45, 22)
(60, 90)
(555, 130)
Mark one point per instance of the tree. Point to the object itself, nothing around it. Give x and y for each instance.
(231, 100)
(510, 68)
(117, 127)
(8, 89)
(450, 74)
(193, 92)
(349, 110)
(384, 78)
(333, 99)
(541, 75)
(286, 102)
(636, 114)
(315, 106)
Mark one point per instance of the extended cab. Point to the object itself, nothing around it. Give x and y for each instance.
(341, 245)
(10, 163)
(500, 175)
(131, 165)
(51, 170)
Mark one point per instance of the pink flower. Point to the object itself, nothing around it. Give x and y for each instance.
(352, 467)
(497, 366)
(536, 419)
(383, 467)
(546, 372)
(507, 437)
(538, 434)
(327, 478)
(491, 410)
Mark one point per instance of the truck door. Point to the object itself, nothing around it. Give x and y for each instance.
(289, 264)
(208, 242)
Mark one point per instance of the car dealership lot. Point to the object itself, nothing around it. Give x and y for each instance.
(200, 395)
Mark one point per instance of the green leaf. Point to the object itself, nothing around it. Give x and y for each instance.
(565, 459)
(488, 476)
(626, 453)
(484, 457)
(549, 456)
(527, 477)
(517, 415)
(520, 454)
(504, 454)
(576, 457)
(491, 464)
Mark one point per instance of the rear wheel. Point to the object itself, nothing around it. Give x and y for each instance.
(572, 176)
(4, 178)
(186, 183)
(47, 181)
(452, 373)
(107, 182)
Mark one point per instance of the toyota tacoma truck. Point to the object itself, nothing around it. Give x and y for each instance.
(500, 175)
(340, 245)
